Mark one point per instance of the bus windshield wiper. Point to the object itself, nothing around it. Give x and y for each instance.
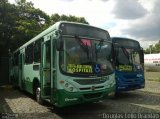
(100, 43)
(98, 47)
(125, 52)
(83, 46)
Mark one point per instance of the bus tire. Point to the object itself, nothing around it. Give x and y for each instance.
(37, 93)
(114, 97)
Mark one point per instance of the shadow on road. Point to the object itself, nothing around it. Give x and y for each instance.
(127, 102)
(82, 111)
(4, 107)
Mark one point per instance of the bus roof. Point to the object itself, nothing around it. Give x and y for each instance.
(50, 29)
(126, 42)
(120, 38)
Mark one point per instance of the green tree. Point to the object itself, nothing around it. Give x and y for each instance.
(153, 48)
(157, 47)
(30, 22)
(55, 18)
(21, 21)
(7, 26)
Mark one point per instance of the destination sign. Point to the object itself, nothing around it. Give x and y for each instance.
(125, 67)
(73, 68)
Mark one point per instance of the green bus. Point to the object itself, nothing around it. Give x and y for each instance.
(66, 65)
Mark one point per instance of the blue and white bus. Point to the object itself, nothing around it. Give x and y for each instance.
(129, 64)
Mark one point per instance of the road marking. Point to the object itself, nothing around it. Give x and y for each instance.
(154, 107)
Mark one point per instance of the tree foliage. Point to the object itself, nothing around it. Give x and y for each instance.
(21, 21)
(55, 17)
(153, 48)
(30, 22)
(7, 25)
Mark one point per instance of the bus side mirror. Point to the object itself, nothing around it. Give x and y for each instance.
(141, 56)
(115, 51)
(59, 44)
(59, 41)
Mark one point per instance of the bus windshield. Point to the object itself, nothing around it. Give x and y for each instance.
(84, 56)
(128, 59)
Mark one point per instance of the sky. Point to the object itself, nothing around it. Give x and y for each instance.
(136, 19)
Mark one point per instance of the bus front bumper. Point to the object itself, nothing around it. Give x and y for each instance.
(128, 87)
(65, 98)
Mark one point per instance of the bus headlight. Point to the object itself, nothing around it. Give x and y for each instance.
(139, 75)
(71, 89)
(68, 87)
(112, 80)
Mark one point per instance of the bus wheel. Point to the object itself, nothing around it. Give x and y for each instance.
(38, 94)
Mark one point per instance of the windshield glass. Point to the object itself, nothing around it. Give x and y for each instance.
(86, 56)
(128, 59)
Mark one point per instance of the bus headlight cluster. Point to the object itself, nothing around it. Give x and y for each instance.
(68, 87)
(112, 80)
(139, 75)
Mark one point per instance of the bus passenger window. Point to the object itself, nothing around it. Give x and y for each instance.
(29, 54)
(37, 51)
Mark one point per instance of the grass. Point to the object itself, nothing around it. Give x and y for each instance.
(157, 80)
(152, 76)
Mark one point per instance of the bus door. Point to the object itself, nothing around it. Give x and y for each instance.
(20, 70)
(46, 68)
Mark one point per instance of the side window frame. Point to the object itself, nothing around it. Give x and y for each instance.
(37, 51)
(29, 54)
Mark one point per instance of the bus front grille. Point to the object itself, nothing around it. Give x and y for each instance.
(89, 81)
(90, 88)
